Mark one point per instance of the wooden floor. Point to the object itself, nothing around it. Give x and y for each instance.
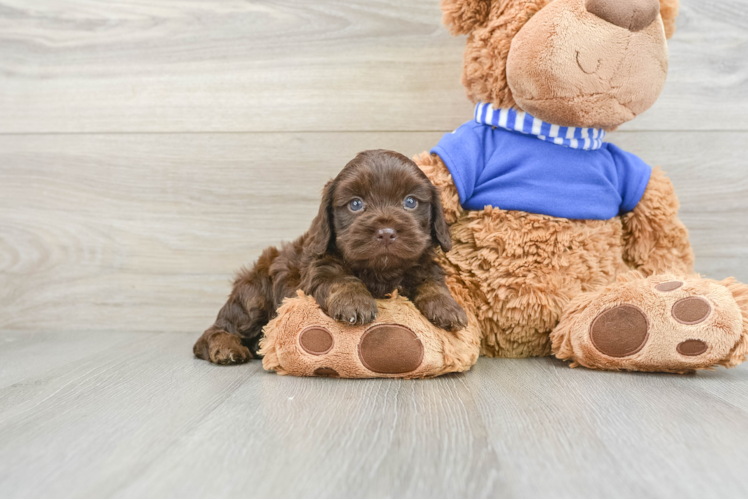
(123, 415)
(148, 148)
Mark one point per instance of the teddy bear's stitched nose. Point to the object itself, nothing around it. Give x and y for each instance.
(634, 15)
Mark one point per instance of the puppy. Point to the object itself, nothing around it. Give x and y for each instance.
(376, 231)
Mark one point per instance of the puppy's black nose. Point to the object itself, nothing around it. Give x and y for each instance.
(386, 235)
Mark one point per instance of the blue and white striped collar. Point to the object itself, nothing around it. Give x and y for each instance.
(589, 139)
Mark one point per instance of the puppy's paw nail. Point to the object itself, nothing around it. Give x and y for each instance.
(353, 320)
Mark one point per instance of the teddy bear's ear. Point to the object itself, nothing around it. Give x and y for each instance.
(669, 12)
(463, 16)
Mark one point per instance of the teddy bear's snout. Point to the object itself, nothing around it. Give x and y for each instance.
(634, 15)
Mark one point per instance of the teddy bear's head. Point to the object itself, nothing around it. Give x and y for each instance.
(574, 63)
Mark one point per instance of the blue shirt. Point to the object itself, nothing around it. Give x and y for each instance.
(510, 170)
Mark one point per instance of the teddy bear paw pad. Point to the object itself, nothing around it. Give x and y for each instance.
(621, 331)
(691, 310)
(391, 349)
(669, 286)
(655, 325)
(316, 340)
(692, 347)
(382, 348)
(326, 372)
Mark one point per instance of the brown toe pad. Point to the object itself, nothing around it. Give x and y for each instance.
(620, 331)
(692, 310)
(669, 286)
(326, 372)
(692, 347)
(391, 349)
(316, 340)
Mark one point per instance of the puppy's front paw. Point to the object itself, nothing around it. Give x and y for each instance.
(443, 311)
(349, 304)
(227, 349)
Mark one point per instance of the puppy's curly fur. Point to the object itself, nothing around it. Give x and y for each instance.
(378, 225)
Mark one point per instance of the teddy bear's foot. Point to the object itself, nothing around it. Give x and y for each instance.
(303, 341)
(658, 324)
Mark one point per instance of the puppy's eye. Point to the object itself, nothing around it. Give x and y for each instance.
(410, 202)
(355, 205)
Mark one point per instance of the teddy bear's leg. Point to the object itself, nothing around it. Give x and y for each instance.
(401, 343)
(664, 323)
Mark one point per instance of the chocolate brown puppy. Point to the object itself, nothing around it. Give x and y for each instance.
(377, 229)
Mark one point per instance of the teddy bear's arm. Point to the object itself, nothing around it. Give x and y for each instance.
(439, 175)
(655, 240)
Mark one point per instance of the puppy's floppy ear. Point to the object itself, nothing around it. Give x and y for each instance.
(439, 226)
(463, 16)
(322, 233)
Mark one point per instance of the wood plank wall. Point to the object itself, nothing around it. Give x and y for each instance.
(149, 148)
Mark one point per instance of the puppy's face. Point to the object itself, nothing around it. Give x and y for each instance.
(383, 212)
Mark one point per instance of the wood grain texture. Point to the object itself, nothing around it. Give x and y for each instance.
(633, 435)
(89, 426)
(25, 354)
(102, 231)
(294, 65)
(141, 420)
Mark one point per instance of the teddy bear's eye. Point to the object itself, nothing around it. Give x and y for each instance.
(410, 202)
(356, 205)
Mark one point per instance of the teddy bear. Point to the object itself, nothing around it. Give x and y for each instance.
(563, 244)
(566, 244)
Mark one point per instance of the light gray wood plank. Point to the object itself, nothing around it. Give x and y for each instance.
(145, 420)
(290, 437)
(725, 385)
(709, 174)
(99, 427)
(706, 86)
(146, 231)
(75, 65)
(103, 231)
(291, 65)
(25, 354)
(91, 426)
(579, 433)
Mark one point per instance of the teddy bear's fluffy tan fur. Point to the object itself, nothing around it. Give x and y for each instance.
(525, 273)
(522, 269)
